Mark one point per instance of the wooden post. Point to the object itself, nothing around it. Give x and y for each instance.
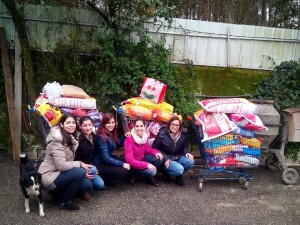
(9, 90)
(18, 90)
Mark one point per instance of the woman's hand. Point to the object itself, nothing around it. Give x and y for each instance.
(127, 134)
(159, 156)
(89, 176)
(189, 156)
(167, 163)
(86, 167)
(126, 166)
(151, 167)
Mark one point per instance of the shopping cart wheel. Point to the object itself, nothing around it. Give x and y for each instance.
(269, 163)
(200, 185)
(245, 184)
(290, 176)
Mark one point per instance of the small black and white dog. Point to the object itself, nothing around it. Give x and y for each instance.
(30, 182)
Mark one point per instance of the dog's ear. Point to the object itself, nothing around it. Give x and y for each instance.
(39, 177)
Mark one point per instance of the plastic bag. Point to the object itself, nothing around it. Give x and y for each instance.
(153, 90)
(52, 90)
(248, 121)
(214, 124)
(49, 113)
(228, 105)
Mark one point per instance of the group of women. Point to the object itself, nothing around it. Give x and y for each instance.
(77, 162)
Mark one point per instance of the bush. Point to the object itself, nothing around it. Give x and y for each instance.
(282, 86)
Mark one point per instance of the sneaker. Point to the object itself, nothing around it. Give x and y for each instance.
(69, 206)
(179, 180)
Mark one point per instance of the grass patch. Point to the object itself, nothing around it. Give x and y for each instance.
(223, 81)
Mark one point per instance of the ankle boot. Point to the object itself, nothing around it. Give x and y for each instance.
(166, 177)
(87, 197)
(179, 180)
(153, 182)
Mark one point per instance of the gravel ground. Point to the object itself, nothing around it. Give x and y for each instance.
(267, 201)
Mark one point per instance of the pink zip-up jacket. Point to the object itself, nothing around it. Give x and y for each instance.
(134, 153)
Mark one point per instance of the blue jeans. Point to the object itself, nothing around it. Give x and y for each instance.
(147, 172)
(70, 183)
(179, 166)
(97, 181)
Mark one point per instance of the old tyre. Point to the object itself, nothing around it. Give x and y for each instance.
(290, 176)
(269, 163)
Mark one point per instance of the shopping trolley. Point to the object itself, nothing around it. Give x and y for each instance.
(225, 158)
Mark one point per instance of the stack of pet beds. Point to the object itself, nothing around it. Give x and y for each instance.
(150, 106)
(57, 99)
(229, 126)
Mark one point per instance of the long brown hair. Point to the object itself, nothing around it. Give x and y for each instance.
(67, 136)
(103, 132)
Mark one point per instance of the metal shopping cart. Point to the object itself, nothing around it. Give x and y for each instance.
(226, 159)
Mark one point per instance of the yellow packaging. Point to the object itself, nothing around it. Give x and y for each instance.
(251, 142)
(220, 150)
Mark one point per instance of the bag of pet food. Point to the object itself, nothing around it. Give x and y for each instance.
(79, 112)
(136, 111)
(153, 129)
(214, 124)
(42, 97)
(228, 105)
(74, 103)
(49, 113)
(248, 121)
(153, 90)
(52, 90)
(161, 115)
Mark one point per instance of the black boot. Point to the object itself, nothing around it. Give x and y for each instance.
(166, 177)
(131, 179)
(179, 180)
(153, 182)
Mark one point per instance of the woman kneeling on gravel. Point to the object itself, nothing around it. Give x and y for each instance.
(143, 160)
(172, 142)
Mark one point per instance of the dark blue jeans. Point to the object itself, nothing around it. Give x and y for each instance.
(147, 172)
(70, 183)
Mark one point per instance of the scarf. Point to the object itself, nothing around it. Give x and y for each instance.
(176, 136)
(75, 143)
(137, 139)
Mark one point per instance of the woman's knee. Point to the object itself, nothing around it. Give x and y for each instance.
(93, 170)
(176, 168)
(86, 186)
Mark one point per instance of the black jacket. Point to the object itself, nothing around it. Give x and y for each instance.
(170, 149)
(86, 149)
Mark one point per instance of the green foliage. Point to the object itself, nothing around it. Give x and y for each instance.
(126, 63)
(282, 86)
(292, 150)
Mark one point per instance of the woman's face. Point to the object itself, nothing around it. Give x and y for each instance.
(110, 125)
(87, 127)
(69, 125)
(139, 128)
(174, 126)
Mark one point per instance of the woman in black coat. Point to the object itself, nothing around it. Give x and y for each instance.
(86, 149)
(172, 143)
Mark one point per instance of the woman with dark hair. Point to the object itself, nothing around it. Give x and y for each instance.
(61, 175)
(172, 142)
(143, 159)
(109, 166)
(86, 148)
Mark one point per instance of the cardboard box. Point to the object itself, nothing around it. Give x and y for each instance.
(293, 124)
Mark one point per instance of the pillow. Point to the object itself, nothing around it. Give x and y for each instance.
(73, 91)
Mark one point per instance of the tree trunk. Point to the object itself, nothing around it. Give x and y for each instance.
(26, 54)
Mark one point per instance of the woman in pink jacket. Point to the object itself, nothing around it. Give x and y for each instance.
(143, 160)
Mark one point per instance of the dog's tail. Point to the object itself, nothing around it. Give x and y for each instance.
(23, 160)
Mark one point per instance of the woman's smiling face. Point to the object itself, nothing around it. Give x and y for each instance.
(110, 125)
